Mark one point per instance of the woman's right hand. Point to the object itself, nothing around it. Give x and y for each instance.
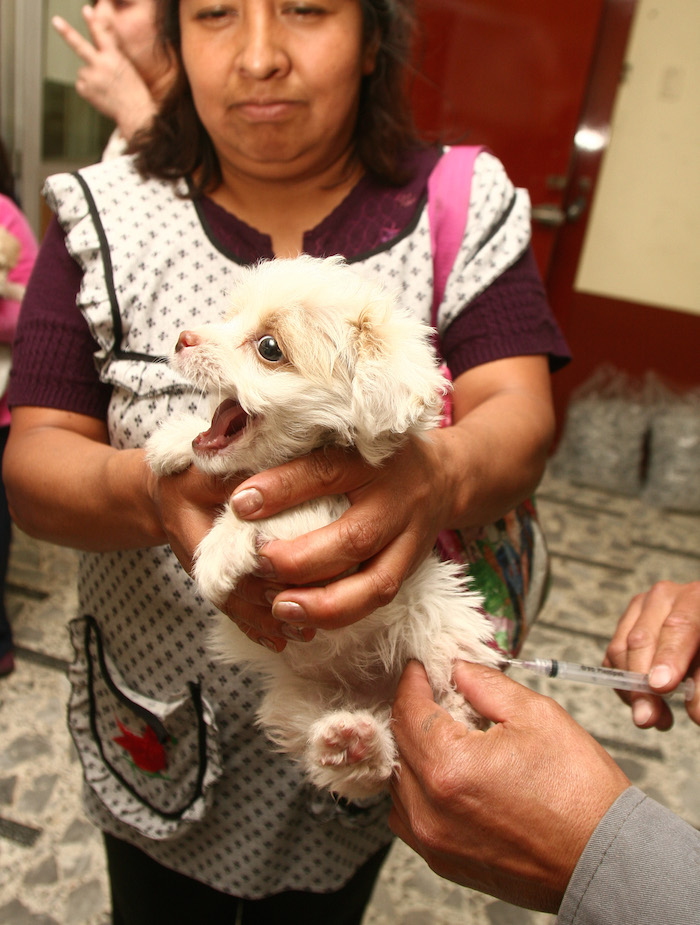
(188, 504)
(67, 485)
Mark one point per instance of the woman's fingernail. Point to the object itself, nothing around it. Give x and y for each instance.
(289, 612)
(641, 712)
(660, 676)
(268, 643)
(246, 502)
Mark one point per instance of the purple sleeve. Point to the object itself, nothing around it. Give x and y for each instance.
(53, 354)
(510, 318)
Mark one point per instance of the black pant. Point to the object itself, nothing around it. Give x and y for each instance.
(146, 893)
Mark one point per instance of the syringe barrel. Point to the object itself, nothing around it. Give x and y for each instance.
(618, 679)
(608, 677)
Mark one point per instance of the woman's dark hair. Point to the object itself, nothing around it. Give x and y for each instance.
(177, 145)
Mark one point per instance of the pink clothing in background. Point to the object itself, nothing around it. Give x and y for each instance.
(14, 221)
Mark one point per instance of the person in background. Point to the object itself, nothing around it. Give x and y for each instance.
(127, 70)
(284, 131)
(534, 810)
(18, 249)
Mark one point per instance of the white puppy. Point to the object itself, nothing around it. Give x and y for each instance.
(314, 355)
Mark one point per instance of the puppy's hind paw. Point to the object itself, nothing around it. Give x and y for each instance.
(352, 754)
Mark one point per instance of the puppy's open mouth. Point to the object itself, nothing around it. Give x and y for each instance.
(228, 422)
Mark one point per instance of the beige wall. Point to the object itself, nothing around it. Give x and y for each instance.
(61, 62)
(643, 239)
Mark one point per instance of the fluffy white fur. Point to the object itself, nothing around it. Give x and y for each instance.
(353, 370)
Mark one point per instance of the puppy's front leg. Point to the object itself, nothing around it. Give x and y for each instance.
(169, 450)
(225, 554)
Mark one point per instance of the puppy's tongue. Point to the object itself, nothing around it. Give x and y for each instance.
(228, 421)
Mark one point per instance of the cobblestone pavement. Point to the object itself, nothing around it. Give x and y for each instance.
(604, 549)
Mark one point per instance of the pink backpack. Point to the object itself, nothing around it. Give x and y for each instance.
(449, 191)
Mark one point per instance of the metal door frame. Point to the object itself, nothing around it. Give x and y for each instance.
(22, 65)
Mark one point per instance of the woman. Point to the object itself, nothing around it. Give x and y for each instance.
(127, 72)
(285, 130)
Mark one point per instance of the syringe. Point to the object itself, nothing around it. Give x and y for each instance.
(604, 677)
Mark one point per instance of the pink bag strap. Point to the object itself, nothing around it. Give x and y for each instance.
(449, 191)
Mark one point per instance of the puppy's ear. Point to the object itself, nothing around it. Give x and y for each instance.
(397, 387)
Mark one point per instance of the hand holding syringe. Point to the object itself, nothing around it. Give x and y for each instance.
(604, 677)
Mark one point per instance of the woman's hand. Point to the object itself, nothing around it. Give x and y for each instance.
(659, 635)
(188, 504)
(462, 476)
(389, 528)
(108, 81)
(395, 514)
(92, 496)
(465, 475)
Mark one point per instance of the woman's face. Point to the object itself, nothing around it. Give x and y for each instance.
(133, 23)
(275, 82)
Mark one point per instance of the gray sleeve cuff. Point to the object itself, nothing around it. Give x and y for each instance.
(640, 867)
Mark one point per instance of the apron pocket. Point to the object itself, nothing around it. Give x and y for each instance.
(151, 763)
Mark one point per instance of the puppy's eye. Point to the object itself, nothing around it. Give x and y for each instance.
(269, 350)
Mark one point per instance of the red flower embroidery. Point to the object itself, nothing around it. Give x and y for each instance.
(146, 751)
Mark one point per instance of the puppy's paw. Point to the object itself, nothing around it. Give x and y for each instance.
(225, 554)
(352, 754)
(215, 572)
(169, 450)
(346, 738)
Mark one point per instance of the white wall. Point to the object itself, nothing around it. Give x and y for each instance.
(643, 238)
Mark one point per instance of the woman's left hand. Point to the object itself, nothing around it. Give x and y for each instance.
(465, 475)
(395, 514)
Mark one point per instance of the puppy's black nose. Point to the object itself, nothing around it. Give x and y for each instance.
(186, 339)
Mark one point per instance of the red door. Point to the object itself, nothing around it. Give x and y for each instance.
(603, 330)
(536, 81)
(511, 74)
